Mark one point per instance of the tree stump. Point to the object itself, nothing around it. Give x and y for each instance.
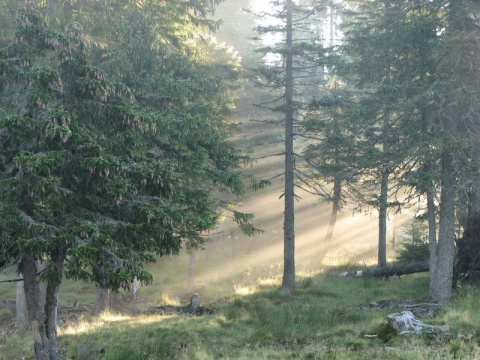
(406, 323)
(194, 303)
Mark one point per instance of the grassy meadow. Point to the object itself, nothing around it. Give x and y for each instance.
(254, 320)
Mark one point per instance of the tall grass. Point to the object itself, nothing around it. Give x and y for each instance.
(256, 320)
(321, 321)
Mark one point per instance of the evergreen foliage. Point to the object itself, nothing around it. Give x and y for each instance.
(88, 161)
(99, 176)
(413, 245)
(292, 67)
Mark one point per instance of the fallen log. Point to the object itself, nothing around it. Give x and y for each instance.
(396, 270)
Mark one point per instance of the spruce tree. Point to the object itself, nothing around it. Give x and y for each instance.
(290, 68)
(95, 183)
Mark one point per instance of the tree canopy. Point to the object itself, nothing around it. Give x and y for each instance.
(99, 176)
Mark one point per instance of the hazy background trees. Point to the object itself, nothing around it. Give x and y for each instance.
(396, 89)
(383, 108)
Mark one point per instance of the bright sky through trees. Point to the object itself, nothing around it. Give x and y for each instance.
(330, 28)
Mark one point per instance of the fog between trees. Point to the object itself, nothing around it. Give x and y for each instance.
(118, 145)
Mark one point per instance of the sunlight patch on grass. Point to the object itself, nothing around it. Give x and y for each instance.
(106, 319)
(167, 299)
(244, 289)
(111, 317)
(268, 282)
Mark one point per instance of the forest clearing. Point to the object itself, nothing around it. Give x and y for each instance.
(239, 179)
(329, 317)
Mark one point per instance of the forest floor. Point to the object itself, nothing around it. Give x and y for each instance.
(328, 317)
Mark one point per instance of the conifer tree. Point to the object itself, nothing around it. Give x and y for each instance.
(293, 59)
(388, 47)
(95, 183)
(420, 84)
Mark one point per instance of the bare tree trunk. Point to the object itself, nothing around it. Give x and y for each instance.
(288, 282)
(432, 235)
(41, 266)
(102, 297)
(102, 300)
(21, 307)
(454, 61)
(468, 244)
(383, 201)
(42, 320)
(441, 281)
(382, 219)
(441, 278)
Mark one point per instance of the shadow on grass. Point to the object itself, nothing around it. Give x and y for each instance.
(320, 321)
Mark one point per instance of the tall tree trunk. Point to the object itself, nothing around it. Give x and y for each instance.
(432, 235)
(453, 64)
(288, 282)
(21, 306)
(442, 276)
(21, 303)
(102, 300)
(102, 297)
(385, 169)
(382, 218)
(468, 244)
(41, 266)
(42, 320)
(383, 201)
(57, 257)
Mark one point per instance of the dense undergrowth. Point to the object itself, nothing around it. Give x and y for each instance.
(254, 320)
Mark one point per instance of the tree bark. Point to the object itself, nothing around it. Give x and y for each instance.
(288, 282)
(42, 320)
(102, 299)
(382, 218)
(432, 236)
(41, 266)
(384, 186)
(441, 281)
(21, 303)
(21, 307)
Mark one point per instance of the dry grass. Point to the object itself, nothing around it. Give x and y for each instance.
(253, 320)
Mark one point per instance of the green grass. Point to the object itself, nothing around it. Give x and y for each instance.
(257, 321)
